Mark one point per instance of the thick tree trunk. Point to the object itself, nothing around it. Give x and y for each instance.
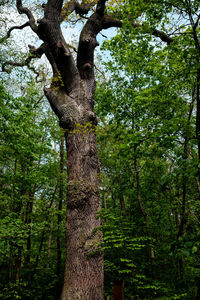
(84, 266)
(84, 263)
(59, 219)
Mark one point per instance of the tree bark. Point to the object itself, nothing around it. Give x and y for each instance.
(84, 272)
(60, 205)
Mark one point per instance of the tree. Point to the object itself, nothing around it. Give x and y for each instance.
(71, 96)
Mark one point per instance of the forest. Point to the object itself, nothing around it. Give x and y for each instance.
(99, 149)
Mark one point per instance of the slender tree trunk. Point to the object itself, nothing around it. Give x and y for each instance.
(118, 290)
(198, 117)
(29, 210)
(194, 26)
(137, 174)
(152, 255)
(198, 291)
(43, 232)
(184, 185)
(118, 285)
(18, 263)
(49, 243)
(121, 197)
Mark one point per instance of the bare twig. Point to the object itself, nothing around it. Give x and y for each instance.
(12, 28)
(34, 53)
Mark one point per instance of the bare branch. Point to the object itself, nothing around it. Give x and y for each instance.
(163, 36)
(12, 28)
(24, 10)
(108, 22)
(197, 22)
(40, 99)
(35, 53)
(13, 64)
(101, 5)
(81, 9)
(102, 73)
(158, 33)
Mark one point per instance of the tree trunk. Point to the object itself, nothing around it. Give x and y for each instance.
(84, 263)
(118, 290)
(121, 197)
(60, 205)
(139, 200)
(198, 291)
(84, 267)
(152, 255)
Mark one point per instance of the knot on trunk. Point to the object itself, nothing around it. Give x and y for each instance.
(79, 192)
(69, 115)
(64, 107)
(93, 245)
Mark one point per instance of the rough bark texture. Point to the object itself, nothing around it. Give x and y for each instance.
(59, 219)
(84, 264)
(84, 277)
(84, 267)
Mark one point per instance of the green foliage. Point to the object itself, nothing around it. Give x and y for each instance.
(29, 197)
(148, 119)
(121, 249)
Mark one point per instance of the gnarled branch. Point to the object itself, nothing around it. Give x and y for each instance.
(101, 5)
(13, 64)
(58, 52)
(35, 53)
(87, 43)
(109, 21)
(163, 36)
(24, 10)
(12, 28)
(158, 33)
(81, 9)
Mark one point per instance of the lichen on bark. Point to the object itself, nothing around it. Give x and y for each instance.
(78, 193)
